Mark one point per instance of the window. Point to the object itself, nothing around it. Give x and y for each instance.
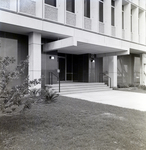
(131, 20)
(122, 17)
(112, 12)
(101, 2)
(70, 5)
(51, 2)
(87, 8)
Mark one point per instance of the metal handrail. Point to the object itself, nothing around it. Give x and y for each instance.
(103, 74)
(51, 78)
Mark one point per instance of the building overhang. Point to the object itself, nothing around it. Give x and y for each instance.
(73, 46)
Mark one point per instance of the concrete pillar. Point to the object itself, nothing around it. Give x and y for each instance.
(79, 5)
(107, 17)
(35, 57)
(131, 69)
(112, 70)
(118, 18)
(143, 69)
(135, 24)
(13, 5)
(142, 24)
(61, 5)
(95, 15)
(39, 8)
(127, 21)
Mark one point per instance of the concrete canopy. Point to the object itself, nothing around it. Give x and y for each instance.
(74, 46)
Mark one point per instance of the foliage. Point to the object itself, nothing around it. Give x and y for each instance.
(15, 96)
(142, 87)
(122, 85)
(49, 95)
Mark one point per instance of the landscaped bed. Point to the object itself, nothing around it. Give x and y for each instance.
(71, 124)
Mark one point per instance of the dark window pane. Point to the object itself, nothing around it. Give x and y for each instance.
(100, 11)
(112, 16)
(87, 8)
(51, 2)
(113, 2)
(70, 5)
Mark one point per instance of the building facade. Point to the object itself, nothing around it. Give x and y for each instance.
(81, 38)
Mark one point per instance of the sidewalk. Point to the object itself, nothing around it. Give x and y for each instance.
(123, 99)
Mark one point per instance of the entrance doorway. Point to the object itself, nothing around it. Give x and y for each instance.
(62, 68)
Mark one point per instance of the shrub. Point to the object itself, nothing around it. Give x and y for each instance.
(14, 97)
(49, 95)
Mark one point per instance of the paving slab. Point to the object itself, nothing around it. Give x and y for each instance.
(123, 99)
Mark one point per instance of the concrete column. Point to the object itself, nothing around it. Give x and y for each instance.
(112, 70)
(79, 6)
(127, 21)
(142, 24)
(118, 18)
(95, 15)
(39, 8)
(107, 17)
(61, 5)
(35, 57)
(13, 5)
(143, 69)
(135, 24)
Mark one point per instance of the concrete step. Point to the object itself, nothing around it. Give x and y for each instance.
(83, 91)
(72, 88)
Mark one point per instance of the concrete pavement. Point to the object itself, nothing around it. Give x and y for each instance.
(123, 99)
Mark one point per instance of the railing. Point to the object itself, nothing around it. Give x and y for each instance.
(113, 30)
(123, 33)
(70, 18)
(51, 74)
(87, 23)
(101, 27)
(102, 75)
(50, 12)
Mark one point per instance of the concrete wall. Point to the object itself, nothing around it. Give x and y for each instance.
(49, 65)
(128, 69)
(14, 45)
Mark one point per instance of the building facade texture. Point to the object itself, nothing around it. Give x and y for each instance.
(81, 38)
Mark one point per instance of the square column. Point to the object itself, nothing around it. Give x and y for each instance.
(79, 5)
(118, 18)
(143, 69)
(135, 24)
(107, 17)
(95, 15)
(127, 21)
(112, 70)
(35, 57)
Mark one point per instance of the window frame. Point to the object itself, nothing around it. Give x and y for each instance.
(101, 15)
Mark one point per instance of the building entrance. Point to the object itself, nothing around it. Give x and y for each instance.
(62, 68)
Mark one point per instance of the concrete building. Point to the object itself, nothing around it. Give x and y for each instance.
(82, 38)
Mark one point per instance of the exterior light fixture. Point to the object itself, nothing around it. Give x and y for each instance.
(52, 57)
(92, 60)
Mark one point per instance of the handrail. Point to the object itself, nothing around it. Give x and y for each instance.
(103, 74)
(51, 78)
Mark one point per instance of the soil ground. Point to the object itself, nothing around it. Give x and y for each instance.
(73, 124)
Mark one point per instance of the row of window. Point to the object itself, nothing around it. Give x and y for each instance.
(70, 6)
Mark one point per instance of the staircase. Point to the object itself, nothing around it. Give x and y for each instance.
(78, 87)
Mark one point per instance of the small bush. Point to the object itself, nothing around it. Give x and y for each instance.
(122, 86)
(49, 95)
(143, 87)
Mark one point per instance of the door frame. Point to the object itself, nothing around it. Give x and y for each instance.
(64, 57)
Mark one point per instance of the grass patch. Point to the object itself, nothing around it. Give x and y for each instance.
(72, 124)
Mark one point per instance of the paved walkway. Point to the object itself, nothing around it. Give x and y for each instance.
(116, 98)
